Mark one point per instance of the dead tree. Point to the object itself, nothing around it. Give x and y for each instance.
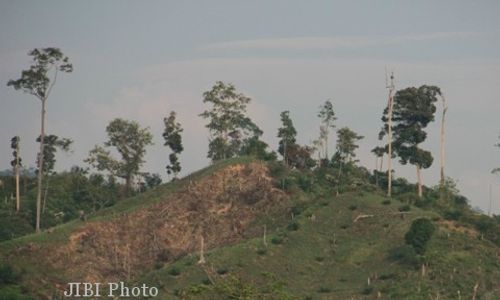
(445, 109)
(390, 106)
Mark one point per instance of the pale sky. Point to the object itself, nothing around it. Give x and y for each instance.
(141, 59)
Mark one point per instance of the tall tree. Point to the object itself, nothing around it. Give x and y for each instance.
(38, 81)
(173, 139)
(327, 117)
(130, 141)
(52, 143)
(346, 144)
(16, 164)
(442, 152)
(230, 128)
(287, 135)
(414, 108)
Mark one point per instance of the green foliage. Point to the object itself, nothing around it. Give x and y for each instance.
(420, 233)
(36, 80)
(287, 135)
(414, 109)
(405, 255)
(293, 226)
(13, 225)
(230, 128)
(404, 208)
(51, 144)
(346, 144)
(173, 139)
(327, 117)
(130, 141)
(174, 271)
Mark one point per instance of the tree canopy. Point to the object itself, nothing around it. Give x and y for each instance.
(130, 140)
(173, 139)
(230, 128)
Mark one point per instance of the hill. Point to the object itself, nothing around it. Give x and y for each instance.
(267, 235)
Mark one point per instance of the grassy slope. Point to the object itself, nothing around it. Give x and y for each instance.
(29, 266)
(331, 257)
(328, 257)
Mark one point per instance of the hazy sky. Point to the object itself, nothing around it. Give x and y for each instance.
(141, 59)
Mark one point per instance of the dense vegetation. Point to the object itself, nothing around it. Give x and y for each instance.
(339, 221)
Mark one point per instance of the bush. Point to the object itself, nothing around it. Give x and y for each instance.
(262, 251)
(7, 275)
(420, 233)
(404, 255)
(353, 207)
(452, 214)
(386, 202)
(277, 240)
(367, 290)
(324, 289)
(293, 226)
(404, 208)
(174, 271)
(222, 270)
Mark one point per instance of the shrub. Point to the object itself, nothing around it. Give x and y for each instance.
(222, 270)
(7, 275)
(293, 226)
(404, 255)
(353, 207)
(452, 214)
(262, 251)
(367, 290)
(174, 271)
(404, 208)
(324, 289)
(386, 202)
(277, 240)
(420, 233)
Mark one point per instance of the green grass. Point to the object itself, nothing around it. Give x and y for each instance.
(322, 253)
(320, 258)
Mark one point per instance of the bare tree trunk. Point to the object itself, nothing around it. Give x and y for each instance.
(389, 142)
(419, 178)
(445, 109)
(46, 193)
(381, 163)
(40, 167)
(18, 194)
(202, 246)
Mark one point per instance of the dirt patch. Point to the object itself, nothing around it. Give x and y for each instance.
(218, 207)
(456, 227)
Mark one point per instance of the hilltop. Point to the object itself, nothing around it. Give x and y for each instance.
(268, 233)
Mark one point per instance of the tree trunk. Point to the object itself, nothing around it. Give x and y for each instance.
(128, 184)
(389, 137)
(40, 167)
(419, 184)
(445, 109)
(18, 195)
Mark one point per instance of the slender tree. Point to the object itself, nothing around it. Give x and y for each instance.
(16, 165)
(173, 139)
(442, 152)
(52, 144)
(327, 117)
(230, 128)
(38, 81)
(414, 108)
(130, 141)
(346, 144)
(345, 149)
(287, 135)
